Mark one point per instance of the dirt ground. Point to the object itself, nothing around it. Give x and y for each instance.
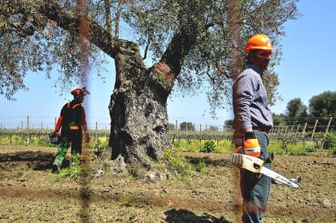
(29, 193)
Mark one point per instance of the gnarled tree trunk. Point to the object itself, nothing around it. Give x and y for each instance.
(138, 107)
(139, 121)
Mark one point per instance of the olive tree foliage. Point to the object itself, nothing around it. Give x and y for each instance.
(209, 63)
(271, 82)
(33, 40)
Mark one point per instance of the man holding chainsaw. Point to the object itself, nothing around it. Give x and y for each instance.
(72, 123)
(252, 122)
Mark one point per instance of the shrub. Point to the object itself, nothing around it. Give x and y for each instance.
(330, 141)
(310, 148)
(98, 147)
(208, 147)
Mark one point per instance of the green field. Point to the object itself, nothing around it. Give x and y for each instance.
(179, 144)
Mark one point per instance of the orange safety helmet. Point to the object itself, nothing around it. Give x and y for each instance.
(80, 92)
(258, 42)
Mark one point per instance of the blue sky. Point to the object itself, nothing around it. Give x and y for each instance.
(306, 69)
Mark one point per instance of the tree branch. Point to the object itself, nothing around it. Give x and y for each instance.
(108, 20)
(146, 49)
(67, 20)
(221, 70)
(179, 47)
(120, 4)
(71, 22)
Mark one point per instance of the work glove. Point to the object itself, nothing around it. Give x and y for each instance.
(251, 145)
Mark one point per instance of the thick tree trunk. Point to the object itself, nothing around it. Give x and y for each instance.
(139, 121)
(138, 108)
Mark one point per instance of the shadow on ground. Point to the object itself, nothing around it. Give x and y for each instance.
(36, 160)
(208, 161)
(185, 216)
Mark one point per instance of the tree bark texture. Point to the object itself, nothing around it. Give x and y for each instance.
(138, 107)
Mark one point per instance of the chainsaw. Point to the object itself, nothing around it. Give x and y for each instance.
(53, 138)
(256, 165)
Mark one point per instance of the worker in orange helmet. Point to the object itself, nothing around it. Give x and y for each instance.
(252, 122)
(70, 125)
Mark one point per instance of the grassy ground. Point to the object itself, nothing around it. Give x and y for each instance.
(30, 193)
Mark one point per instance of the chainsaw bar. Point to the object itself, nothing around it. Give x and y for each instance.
(255, 165)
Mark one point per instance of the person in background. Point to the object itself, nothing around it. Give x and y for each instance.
(252, 122)
(71, 125)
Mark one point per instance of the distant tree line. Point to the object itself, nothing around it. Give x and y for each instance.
(321, 107)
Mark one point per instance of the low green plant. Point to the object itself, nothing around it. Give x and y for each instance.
(200, 167)
(195, 145)
(75, 171)
(126, 200)
(177, 162)
(98, 147)
(276, 147)
(292, 148)
(132, 172)
(297, 153)
(333, 151)
(310, 149)
(208, 147)
(330, 141)
(186, 145)
(224, 147)
(296, 149)
(176, 143)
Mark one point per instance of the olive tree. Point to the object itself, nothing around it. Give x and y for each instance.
(191, 43)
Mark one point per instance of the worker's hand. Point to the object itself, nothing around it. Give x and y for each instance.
(238, 138)
(251, 144)
(239, 149)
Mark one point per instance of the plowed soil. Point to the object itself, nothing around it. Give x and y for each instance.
(29, 193)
